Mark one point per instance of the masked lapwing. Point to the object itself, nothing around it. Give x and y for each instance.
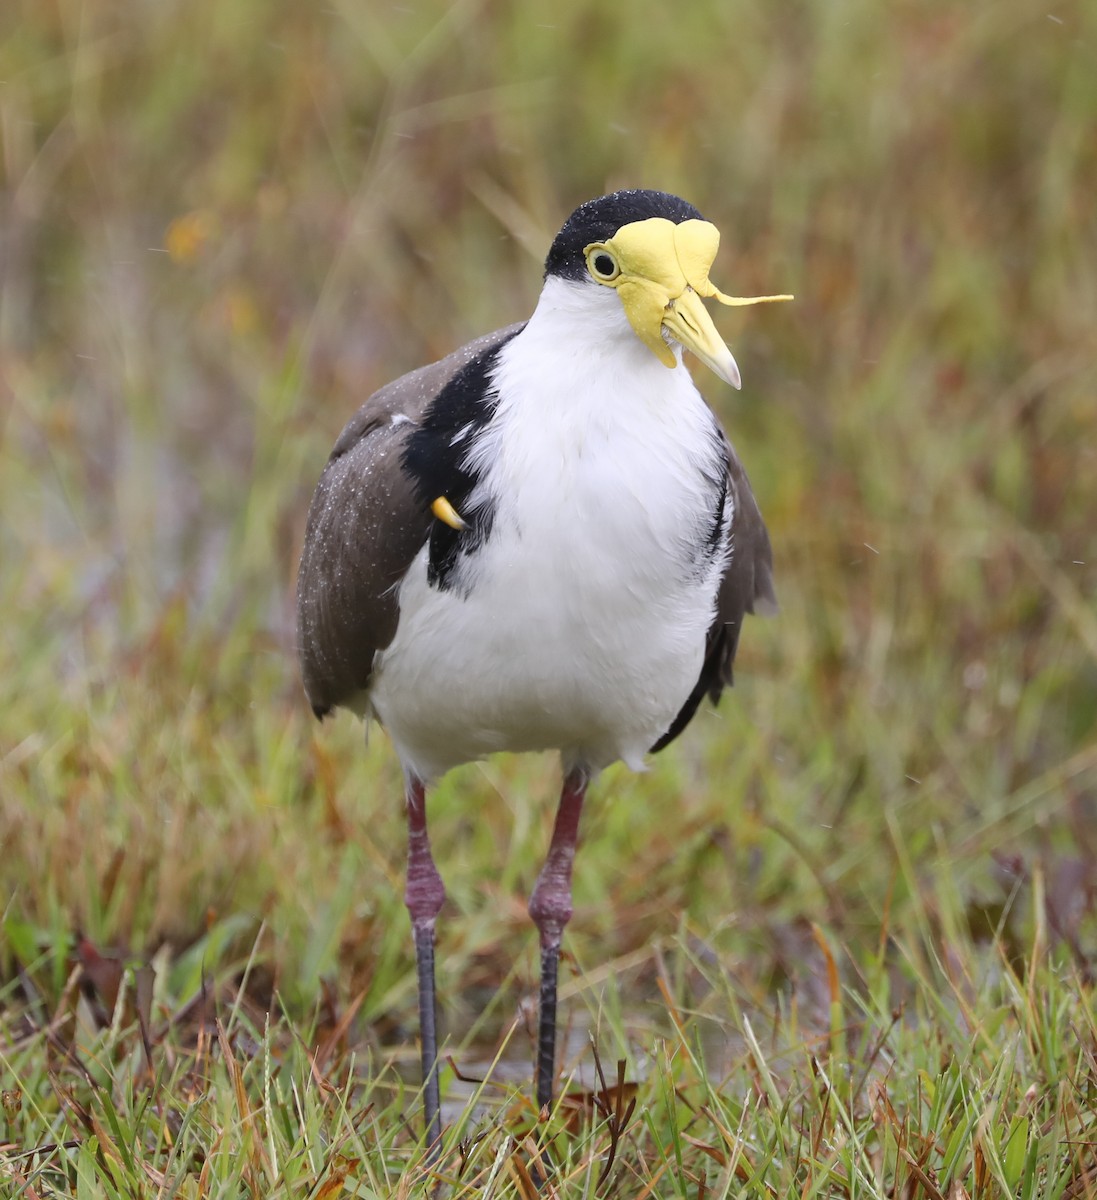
(543, 542)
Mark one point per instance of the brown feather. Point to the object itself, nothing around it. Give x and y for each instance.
(364, 529)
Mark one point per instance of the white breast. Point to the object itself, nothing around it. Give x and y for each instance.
(580, 624)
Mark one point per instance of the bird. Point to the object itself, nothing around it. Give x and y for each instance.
(544, 541)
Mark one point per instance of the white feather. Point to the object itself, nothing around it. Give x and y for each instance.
(580, 624)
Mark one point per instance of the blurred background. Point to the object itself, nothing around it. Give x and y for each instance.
(222, 225)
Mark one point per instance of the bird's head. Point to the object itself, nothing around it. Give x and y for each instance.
(656, 252)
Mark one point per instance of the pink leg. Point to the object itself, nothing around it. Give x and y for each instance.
(550, 908)
(424, 895)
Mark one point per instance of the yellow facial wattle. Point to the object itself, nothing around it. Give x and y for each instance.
(661, 272)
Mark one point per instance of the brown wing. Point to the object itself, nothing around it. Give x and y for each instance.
(365, 527)
(747, 587)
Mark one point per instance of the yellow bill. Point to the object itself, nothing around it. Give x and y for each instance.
(661, 272)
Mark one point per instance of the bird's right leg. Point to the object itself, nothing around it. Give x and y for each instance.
(424, 895)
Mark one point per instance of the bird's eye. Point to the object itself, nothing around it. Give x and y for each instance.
(601, 264)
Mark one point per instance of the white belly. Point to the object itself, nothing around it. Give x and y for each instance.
(534, 661)
(582, 621)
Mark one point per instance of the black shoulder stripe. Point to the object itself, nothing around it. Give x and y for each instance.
(437, 459)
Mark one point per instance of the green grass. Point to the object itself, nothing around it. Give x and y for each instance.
(843, 934)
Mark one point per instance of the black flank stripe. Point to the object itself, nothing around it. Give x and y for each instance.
(714, 537)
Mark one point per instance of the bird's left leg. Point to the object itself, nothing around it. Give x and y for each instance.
(550, 908)
(424, 894)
